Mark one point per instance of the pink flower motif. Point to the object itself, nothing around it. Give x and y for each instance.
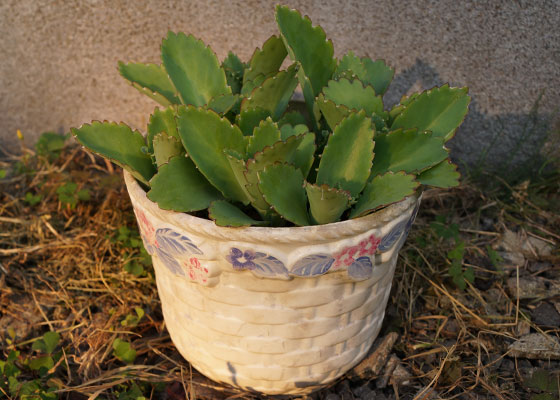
(345, 257)
(195, 271)
(146, 228)
(368, 246)
(348, 255)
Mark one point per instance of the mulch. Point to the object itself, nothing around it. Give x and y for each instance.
(80, 270)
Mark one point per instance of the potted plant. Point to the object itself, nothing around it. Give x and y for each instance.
(274, 229)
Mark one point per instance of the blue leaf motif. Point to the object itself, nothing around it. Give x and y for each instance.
(170, 262)
(389, 240)
(149, 248)
(412, 218)
(174, 243)
(361, 269)
(315, 264)
(268, 266)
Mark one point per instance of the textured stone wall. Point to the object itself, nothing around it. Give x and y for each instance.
(59, 58)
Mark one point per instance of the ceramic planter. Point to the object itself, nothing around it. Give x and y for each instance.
(273, 310)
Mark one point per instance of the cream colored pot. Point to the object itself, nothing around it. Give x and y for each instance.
(274, 310)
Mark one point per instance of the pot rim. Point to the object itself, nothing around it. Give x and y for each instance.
(330, 231)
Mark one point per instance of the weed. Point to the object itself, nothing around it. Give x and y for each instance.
(68, 194)
(131, 320)
(135, 256)
(459, 275)
(41, 368)
(50, 145)
(124, 351)
(32, 199)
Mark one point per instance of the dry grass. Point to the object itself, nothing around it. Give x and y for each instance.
(62, 269)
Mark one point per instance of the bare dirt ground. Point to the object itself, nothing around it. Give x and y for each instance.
(474, 311)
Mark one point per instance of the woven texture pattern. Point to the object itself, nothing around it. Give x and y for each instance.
(261, 342)
(308, 315)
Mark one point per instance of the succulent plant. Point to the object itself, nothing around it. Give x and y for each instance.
(229, 140)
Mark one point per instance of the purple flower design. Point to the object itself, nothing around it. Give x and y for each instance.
(241, 260)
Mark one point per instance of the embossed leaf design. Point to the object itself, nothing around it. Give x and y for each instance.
(316, 264)
(268, 266)
(175, 244)
(361, 269)
(170, 262)
(391, 238)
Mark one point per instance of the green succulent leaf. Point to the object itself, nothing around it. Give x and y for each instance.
(239, 168)
(165, 147)
(346, 160)
(120, 144)
(442, 175)
(250, 118)
(305, 153)
(354, 96)
(409, 151)
(257, 81)
(378, 74)
(279, 152)
(282, 188)
(292, 118)
(205, 135)
(288, 130)
(226, 214)
(161, 121)
(152, 80)
(266, 134)
(223, 103)
(266, 61)
(374, 73)
(234, 69)
(193, 68)
(326, 203)
(384, 190)
(274, 94)
(179, 186)
(332, 112)
(440, 110)
(314, 54)
(350, 66)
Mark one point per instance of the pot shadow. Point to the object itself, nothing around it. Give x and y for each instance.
(509, 145)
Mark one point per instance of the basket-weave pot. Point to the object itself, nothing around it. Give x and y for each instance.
(274, 310)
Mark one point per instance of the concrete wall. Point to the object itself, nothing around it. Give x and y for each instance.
(59, 58)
